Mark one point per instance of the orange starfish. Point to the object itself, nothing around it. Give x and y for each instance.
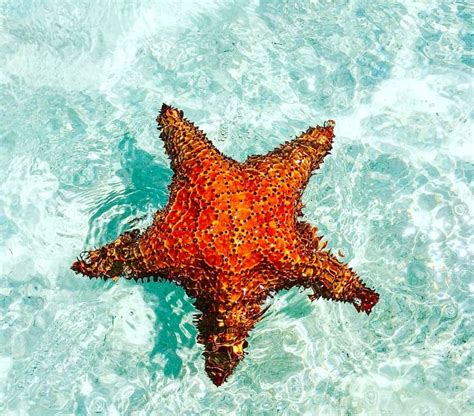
(230, 235)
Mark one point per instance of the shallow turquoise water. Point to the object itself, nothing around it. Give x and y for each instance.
(80, 157)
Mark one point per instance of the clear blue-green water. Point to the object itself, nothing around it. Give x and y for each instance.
(80, 157)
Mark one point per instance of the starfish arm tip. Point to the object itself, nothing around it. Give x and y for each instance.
(168, 114)
(220, 363)
(164, 107)
(365, 300)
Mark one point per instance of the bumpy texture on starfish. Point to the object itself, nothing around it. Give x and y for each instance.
(230, 235)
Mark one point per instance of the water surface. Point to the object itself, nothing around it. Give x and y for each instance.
(80, 157)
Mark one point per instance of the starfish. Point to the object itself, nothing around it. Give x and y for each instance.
(231, 237)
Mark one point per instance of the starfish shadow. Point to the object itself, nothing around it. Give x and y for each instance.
(171, 308)
(144, 184)
(139, 186)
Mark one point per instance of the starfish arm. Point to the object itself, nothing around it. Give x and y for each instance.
(327, 276)
(331, 279)
(131, 255)
(297, 159)
(186, 145)
(223, 330)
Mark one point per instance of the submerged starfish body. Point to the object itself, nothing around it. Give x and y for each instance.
(230, 236)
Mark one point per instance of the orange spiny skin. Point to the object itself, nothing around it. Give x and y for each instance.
(230, 236)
